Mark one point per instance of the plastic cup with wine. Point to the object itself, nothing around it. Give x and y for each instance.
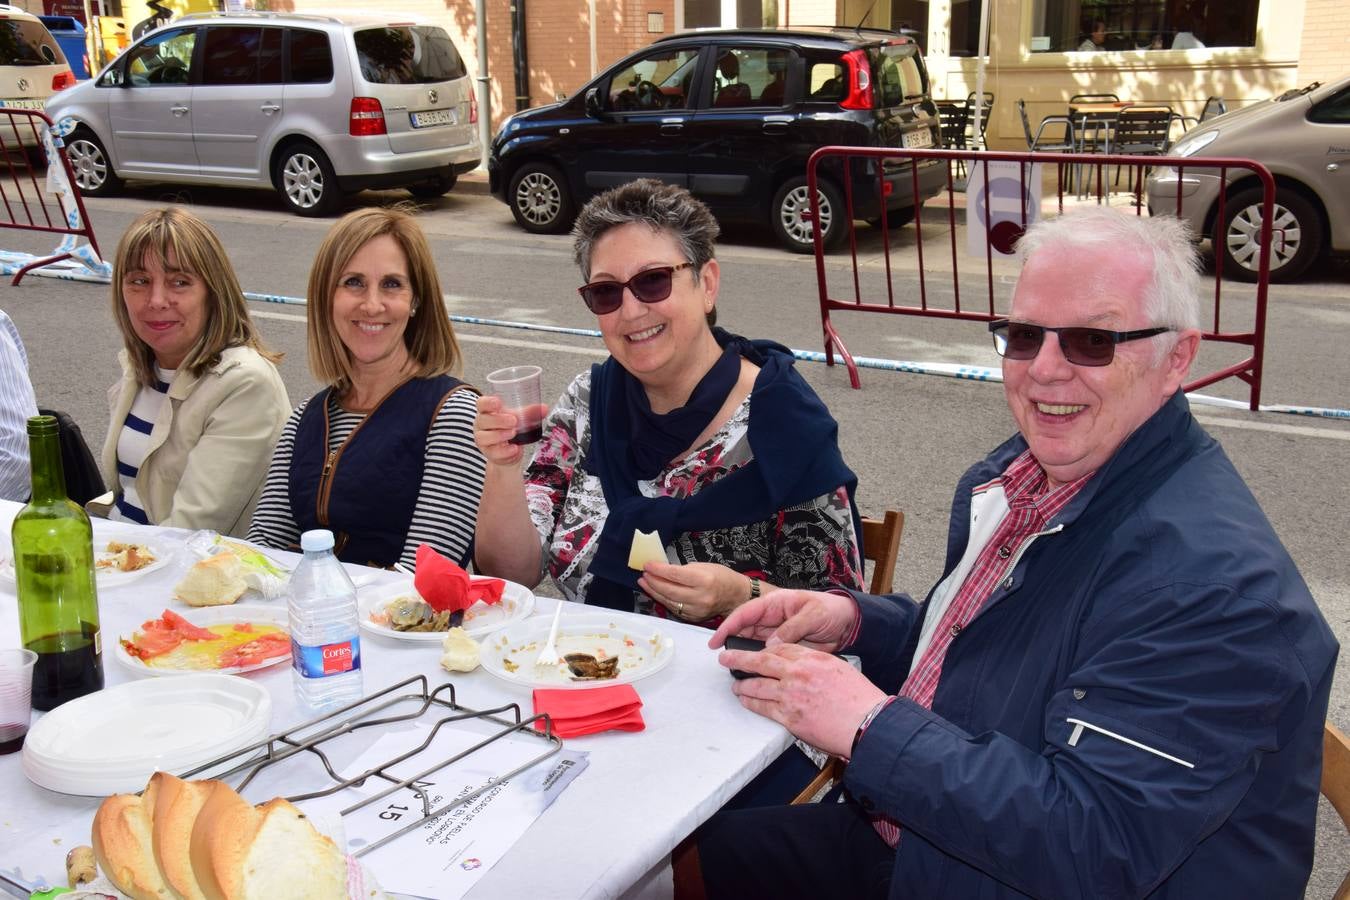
(521, 390)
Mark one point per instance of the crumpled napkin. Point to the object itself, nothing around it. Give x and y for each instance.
(445, 586)
(578, 712)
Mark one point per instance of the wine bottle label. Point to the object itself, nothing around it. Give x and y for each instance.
(326, 659)
(98, 642)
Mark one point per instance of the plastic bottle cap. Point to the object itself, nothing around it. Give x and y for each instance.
(317, 540)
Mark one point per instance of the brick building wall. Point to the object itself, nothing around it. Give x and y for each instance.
(1324, 50)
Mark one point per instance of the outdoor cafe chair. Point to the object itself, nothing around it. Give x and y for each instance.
(1336, 783)
(986, 110)
(1040, 142)
(1141, 130)
(952, 116)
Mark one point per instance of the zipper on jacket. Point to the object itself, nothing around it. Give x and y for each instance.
(330, 462)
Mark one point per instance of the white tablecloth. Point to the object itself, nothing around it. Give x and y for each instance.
(641, 793)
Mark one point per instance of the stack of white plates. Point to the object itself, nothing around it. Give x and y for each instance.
(113, 740)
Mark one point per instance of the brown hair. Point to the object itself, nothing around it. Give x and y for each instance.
(429, 337)
(197, 250)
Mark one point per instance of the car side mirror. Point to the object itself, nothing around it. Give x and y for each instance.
(593, 107)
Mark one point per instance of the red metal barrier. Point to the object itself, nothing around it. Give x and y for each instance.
(26, 204)
(1070, 169)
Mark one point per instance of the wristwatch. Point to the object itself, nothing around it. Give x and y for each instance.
(754, 586)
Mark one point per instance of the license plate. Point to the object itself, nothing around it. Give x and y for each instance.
(922, 137)
(22, 104)
(433, 117)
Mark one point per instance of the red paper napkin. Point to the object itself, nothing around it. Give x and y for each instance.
(575, 713)
(445, 586)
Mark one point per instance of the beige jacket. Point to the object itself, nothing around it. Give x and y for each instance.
(210, 447)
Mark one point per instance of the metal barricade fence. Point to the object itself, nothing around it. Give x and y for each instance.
(43, 201)
(1070, 187)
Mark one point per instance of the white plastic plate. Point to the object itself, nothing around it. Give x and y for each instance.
(110, 578)
(480, 619)
(204, 618)
(111, 741)
(642, 649)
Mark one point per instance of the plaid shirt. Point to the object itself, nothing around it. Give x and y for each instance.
(1031, 504)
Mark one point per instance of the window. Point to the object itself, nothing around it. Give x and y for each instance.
(163, 59)
(311, 57)
(827, 81)
(1088, 25)
(1334, 110)
(230, 55)
(657, 81)
(416, 54)
(718, 14)
(750, 76)
(898, 76)
(24, 43)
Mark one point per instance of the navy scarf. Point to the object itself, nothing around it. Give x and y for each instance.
(796, 458)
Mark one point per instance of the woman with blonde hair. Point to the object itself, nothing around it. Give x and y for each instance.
(200, 403)
(384, 456)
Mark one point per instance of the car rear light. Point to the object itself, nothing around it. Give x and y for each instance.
(473, 108)
(859, 81)
(62, 80)
(367, 117)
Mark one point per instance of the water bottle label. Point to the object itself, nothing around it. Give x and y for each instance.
(326, 659)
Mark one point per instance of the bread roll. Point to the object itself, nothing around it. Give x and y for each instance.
(177, 803)
(241, 852)
(121, 839)
(214, 581)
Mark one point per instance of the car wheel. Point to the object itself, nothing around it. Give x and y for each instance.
(540, 200)
(790, 216)
(94, 174)
(306, 181)
(895, 218)
(433, 188)
(1295, 237)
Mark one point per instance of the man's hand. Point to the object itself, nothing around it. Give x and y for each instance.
(694, 591)
(817, 696)
(809, 618)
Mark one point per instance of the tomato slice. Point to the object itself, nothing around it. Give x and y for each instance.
(267, 646)
(186, 628)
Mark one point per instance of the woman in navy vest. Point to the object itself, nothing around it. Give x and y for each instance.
(711, 440)
(384, 456)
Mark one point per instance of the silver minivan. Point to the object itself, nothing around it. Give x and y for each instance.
(313, 106)
(32, 69)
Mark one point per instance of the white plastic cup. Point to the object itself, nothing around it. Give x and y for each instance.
(521, 389)
(16, 697)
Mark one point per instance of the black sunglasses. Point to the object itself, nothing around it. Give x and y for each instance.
(1080, 346)
(649, 286)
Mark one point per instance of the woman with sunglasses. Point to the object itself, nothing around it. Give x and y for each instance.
(710, 440)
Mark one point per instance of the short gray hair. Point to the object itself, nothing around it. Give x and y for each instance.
(661, 207)
(1173, 295)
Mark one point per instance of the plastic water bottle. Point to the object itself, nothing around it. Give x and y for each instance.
(325, 640)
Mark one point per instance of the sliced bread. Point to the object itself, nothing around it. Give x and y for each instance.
(177, 803)
(122, 845)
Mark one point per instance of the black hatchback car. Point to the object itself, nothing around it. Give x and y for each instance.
(733, 115)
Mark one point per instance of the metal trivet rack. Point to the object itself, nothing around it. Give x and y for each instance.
(376, 710)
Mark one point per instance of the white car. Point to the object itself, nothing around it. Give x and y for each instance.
(1303, 138)
(312, 106)
(32, 69)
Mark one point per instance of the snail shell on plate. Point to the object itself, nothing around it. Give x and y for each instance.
(585, 667)
(408, 612)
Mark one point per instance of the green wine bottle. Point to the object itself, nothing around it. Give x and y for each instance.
(54, 565)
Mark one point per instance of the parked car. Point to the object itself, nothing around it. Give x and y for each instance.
(32, 69)
(69, 34)
(1303, 138)
(312, 106)
(733, 115)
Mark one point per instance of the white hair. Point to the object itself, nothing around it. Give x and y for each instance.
(1172, 298)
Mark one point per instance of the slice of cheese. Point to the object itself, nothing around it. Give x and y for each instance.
(646, 548)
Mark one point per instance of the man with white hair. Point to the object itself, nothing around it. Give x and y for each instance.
(1117, 688)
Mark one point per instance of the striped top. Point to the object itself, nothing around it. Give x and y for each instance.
(132, 444)
(17, 404)
(447, 504)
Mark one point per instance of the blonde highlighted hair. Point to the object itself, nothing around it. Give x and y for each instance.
(196, 250)
(429, 337)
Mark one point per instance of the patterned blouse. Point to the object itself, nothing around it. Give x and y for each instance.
(811, 545)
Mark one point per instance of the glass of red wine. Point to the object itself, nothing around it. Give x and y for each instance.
(16, 693)
(522, 392)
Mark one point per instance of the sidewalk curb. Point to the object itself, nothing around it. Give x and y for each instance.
(475, 182)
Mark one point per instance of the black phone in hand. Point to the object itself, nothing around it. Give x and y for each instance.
(743, 643)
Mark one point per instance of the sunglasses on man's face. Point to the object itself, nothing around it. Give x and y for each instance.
(1080, 346)
(649, 286)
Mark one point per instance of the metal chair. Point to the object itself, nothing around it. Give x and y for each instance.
(952, 116)
(1214, 106)
(986, 110)
(1140, 131)
(1038, 143)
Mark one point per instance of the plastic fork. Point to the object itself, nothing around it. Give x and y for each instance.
(549, 655)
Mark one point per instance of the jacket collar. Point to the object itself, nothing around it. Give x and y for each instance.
(183, 382)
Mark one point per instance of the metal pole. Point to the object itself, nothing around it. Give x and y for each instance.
(484, 82)
(591, 15)
(983, 50)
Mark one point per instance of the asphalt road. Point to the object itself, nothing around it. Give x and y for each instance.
(908, 436)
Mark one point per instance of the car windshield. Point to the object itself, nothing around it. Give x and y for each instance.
(900, 77)
(24, 43)
(407, 54)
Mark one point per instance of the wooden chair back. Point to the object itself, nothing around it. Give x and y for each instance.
(881, 544)
(1336, 783)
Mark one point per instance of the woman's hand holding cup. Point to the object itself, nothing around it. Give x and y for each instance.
(496, 427)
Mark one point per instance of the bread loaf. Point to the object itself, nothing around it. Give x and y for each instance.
(241, 852)
(122, 846)
(214, 581)
(177, 803)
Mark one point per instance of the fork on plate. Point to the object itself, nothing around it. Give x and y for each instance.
(548, 656)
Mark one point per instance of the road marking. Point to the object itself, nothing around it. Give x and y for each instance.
(1276, 427)
(596, 352)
